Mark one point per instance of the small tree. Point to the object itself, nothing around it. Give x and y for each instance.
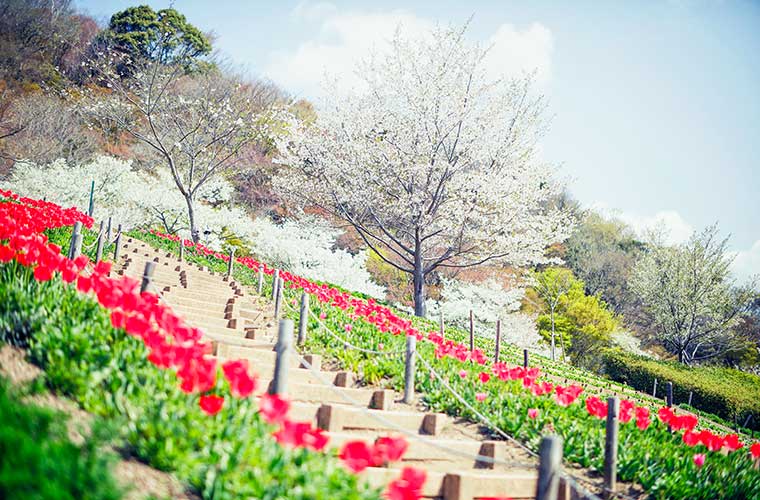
(431, 162)
(197, 125)
(693, 300)
(552, 284)
(164, 36)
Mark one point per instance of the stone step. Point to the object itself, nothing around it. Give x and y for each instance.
(320, 393)
(420, 450)
(341, 418)
(217, 298)
(222, 339)
(464, 485)
(258, 356)
(379, 477)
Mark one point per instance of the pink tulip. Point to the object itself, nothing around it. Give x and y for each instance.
(463, 373)
(533, 413)
(347, 327)
(481, 396)
(322, 315)
(699, 459)
(380, 346)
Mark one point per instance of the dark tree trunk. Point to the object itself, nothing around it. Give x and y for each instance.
(195, 234)
(419, 281)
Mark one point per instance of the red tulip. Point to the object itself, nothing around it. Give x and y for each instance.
(273, 408)
(242, 384)
(6, 253)
(295, 434)
(408, 486)
(356, 455)
(732, 442)
(596, 407)
(627, 408)
(42, 273)
(690, 438)
(316, 439)
(754, 450)
(388, 449)
(484, 377)
(699, 459)
(211, 404)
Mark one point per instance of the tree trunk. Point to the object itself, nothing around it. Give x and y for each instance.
(195, 234)
(551, 316)
(419, 282)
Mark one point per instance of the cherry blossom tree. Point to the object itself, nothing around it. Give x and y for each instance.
(197, 125)
(694, 301)
(432, 162)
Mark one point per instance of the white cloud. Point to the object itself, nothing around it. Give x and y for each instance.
(669, 223)
(342, 38)
(747, 263)
(514, 52)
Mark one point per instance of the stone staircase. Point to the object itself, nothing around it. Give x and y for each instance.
(241, 325)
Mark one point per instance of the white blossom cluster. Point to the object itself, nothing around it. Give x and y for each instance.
(306, 247)
(489, 302)
(132, 198)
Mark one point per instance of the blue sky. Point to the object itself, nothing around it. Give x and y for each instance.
(655, 104)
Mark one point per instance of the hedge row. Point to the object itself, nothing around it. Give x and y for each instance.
(728, 393)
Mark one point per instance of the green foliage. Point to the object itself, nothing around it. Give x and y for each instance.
(582, 322)
(39, 462)
(231, 455)
(163, 35)
(728, 393)
(602, 252)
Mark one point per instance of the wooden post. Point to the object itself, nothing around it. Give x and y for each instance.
(525, 358)
(281, 364)
(654, 389)
(229, 263)
(277, 297)
(498, 341)
(275, 277)
(443, 334)
(99, 249)
(472, 332)
(611, 447)
(550, 462)
(669, 394)
(91, 208)
(260, 286)
(75, 246)
(303, 318)
(147, 276)
(108, 231)
(117, 244)
(691, 393)
(411, 349)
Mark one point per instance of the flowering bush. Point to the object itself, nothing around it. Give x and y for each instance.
(306, 247)
(133, 198)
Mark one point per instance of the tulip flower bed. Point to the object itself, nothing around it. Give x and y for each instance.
(82, 327)
(687, 463)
